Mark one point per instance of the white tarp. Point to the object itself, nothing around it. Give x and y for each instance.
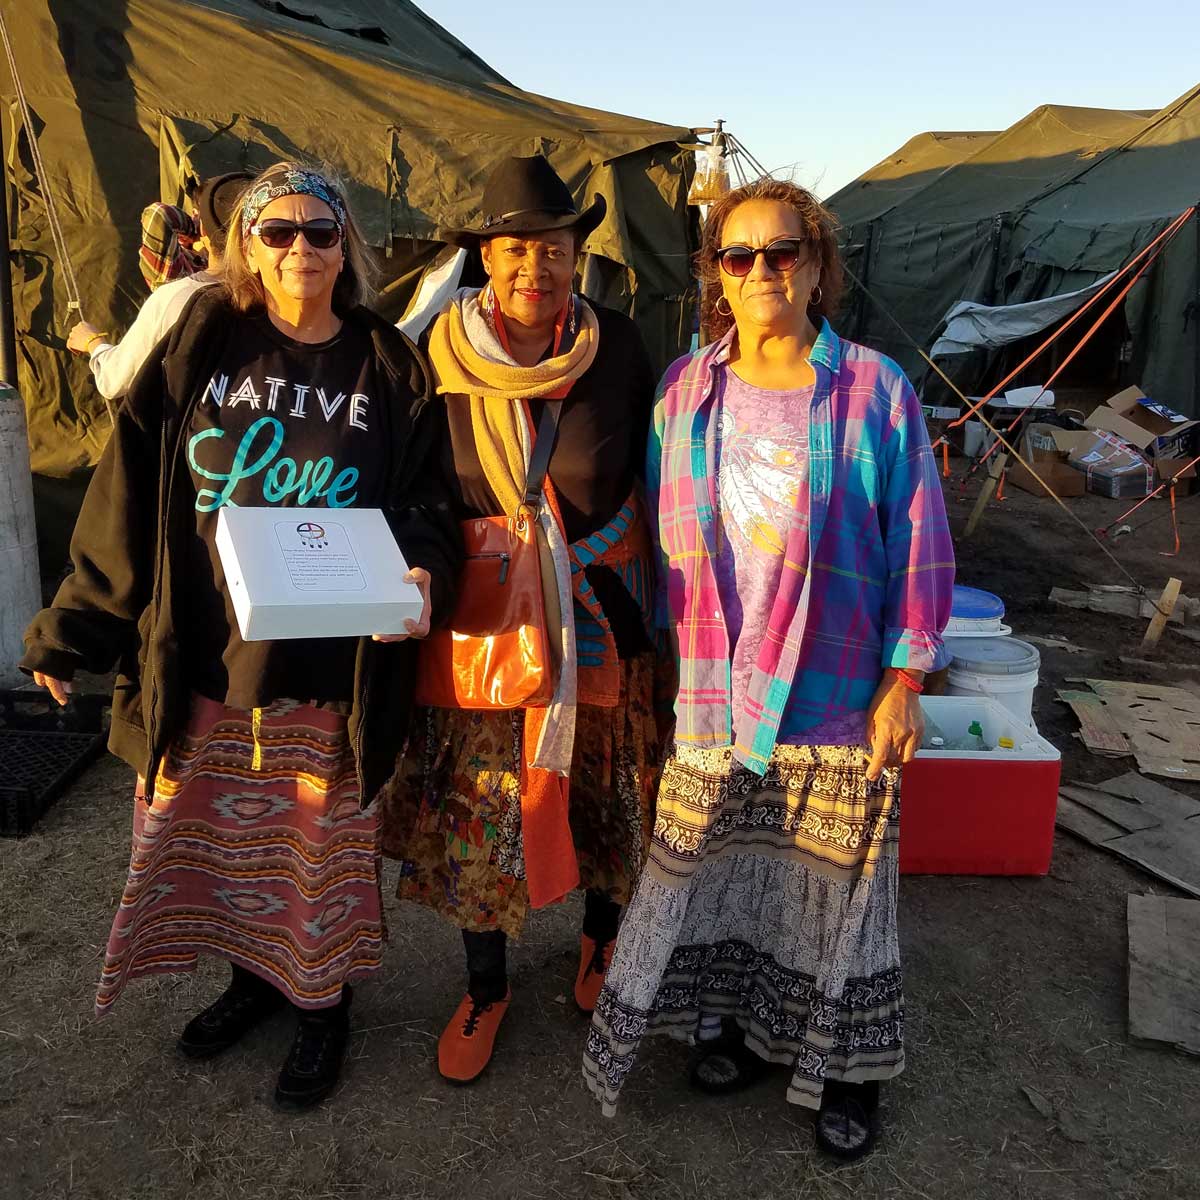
(971, 326)
(438, 284)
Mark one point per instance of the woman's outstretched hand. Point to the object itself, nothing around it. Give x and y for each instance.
(60, 689)
(895, 725)
(81, 336)
(414, 629)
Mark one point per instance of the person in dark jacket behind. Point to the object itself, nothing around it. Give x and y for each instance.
(253, 834)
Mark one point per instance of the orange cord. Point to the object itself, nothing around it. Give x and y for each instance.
(1174, 526)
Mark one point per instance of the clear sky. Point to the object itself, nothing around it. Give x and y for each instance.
(828, 90)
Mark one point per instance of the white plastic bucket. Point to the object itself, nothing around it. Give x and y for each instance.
(976, 613)
(1003, 668)
(972, 438)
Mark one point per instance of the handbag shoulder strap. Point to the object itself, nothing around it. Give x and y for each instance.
(539, 458)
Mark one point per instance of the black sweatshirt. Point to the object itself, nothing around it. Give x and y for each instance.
(125, 602)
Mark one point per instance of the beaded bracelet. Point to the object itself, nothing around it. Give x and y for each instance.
(908, 681)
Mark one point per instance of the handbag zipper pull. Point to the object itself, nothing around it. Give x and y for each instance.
(504, 561)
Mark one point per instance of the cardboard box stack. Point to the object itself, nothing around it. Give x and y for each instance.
(1162, 435)
(1047, 448)
(1129, 446)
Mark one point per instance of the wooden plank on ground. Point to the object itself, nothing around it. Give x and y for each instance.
(1167, 842)
(1169, 804)
(1126, 813)
(1121, 602)
(1164, 970)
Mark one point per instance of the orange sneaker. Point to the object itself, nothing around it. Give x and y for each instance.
(593, 963)
(466, 1044)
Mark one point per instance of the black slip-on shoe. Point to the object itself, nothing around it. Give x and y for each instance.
(244, 1004)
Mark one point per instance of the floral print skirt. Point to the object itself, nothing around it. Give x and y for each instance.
(451, 813)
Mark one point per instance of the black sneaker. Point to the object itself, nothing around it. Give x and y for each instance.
(245, 1003)
(314, 1063)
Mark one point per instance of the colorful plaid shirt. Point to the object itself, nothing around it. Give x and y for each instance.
(866, 581)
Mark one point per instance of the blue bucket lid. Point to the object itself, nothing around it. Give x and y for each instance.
(974, 604)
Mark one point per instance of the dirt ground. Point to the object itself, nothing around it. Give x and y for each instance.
(1011, 984)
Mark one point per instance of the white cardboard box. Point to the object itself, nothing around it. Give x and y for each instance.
(310, 573)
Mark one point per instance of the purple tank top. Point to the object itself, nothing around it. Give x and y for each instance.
(762, 482)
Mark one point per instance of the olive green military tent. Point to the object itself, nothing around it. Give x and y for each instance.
(915, 165)
(1085, 227)
(131, 97)
(947, 240)
(877, 191)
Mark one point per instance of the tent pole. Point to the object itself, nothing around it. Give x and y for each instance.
(20, 589)
(1196, 317)
(8, 337)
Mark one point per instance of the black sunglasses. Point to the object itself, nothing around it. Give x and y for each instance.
(321, 234)
(782, 255)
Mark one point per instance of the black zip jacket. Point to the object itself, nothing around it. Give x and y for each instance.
(118, 607)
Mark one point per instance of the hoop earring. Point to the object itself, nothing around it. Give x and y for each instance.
(727, 311)
(815, 298)
(488, 303)
(571, 314)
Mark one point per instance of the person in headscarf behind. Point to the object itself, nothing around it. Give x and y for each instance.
(115, 365)
(253, 837)
(494, 812)
(169, 248)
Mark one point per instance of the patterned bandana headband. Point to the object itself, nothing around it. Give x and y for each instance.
(291, 183)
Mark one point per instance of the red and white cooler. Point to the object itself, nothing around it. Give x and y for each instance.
(987, 812)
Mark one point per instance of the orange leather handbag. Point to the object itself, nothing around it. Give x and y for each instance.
(495, 651)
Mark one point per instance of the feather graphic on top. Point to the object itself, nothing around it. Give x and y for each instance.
(760, 478)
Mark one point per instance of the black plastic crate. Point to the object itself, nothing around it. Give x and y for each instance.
(42, 749)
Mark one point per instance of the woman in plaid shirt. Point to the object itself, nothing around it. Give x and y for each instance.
(806, 577)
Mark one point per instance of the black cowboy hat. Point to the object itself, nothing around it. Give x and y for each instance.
(522, 196)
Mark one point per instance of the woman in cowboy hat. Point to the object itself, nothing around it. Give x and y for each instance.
(477, 811)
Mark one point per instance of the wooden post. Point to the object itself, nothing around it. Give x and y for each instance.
(20, 590)
(995, 471)
(1163, 610)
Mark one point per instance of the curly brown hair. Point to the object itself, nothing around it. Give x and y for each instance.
(820, 232)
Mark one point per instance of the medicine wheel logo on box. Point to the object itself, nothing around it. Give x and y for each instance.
(312, 535)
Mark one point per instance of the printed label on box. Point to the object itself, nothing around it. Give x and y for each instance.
(319, 557)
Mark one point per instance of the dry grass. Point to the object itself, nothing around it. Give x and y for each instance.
(1012, 984)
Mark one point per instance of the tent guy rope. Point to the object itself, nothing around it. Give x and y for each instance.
(1149, 253)
(39, 167)
(1000, 438)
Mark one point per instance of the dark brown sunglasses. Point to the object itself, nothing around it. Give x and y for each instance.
(782, 256)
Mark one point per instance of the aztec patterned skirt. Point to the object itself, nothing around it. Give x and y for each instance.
(769, 900)
(452, 812)
(254, 849)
